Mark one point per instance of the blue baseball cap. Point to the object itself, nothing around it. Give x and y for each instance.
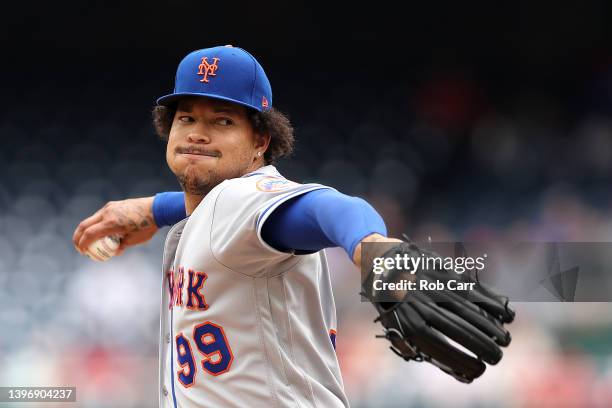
(225, 72)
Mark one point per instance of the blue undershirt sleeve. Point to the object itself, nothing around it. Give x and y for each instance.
(308, 223)
(321, 219)
(169, 208)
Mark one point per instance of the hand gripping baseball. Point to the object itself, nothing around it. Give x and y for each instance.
(427, 325)
(131, 220)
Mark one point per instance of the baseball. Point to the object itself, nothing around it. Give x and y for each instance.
(104, 248)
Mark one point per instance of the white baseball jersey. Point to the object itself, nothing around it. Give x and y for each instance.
(242, 324)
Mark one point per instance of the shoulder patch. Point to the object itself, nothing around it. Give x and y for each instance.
(272, 184)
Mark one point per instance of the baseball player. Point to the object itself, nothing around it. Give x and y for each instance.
(247, 315)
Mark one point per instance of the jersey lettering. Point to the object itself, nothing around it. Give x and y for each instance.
(170, 280)
(195, 282)
(194, 297)
(178, 287)
(184, 356)
(211, 342)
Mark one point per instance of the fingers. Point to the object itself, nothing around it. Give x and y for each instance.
(82, 227)
(94, 232)
(130, 219)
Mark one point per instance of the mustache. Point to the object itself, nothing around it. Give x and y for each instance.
(196, 150)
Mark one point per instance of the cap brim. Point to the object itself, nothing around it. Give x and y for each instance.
(175, 97)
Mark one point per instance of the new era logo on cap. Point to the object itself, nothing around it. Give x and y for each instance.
(225, 72)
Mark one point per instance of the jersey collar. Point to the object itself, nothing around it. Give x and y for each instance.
(268, 170)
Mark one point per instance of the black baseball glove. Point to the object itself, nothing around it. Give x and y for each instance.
(419, 323)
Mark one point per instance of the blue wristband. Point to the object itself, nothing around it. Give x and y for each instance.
(168, 208)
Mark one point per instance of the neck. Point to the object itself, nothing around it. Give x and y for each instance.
(193, 200)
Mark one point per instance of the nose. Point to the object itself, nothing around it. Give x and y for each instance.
(198, 137)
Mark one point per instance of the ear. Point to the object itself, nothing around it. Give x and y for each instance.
(262, 141)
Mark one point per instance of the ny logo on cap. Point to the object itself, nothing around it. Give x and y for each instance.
(206, 69)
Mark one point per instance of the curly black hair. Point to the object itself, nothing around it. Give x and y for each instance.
(271, 122)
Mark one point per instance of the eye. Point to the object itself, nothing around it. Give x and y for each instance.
(185, 119)
(224, 122)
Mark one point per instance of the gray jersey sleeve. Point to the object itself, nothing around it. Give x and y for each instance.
(240, 210)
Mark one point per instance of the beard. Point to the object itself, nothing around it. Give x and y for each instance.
(198, 184)
(197, 179)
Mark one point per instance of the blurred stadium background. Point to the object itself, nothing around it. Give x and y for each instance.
(455, 123)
